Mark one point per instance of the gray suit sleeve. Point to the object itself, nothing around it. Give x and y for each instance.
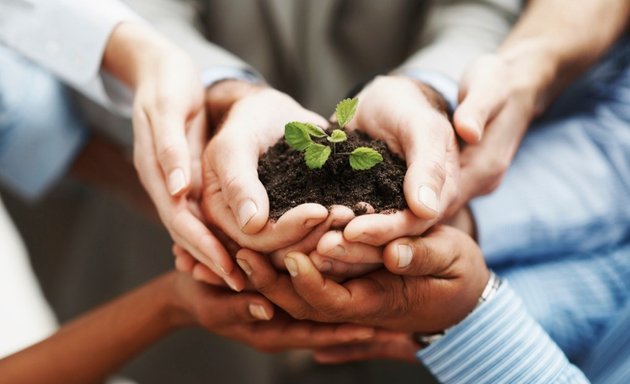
(458, 31)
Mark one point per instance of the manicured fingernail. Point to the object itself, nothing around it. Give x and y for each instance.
(246, 211)
(427, 196)
(291, 266)
(404, 255)
(219, 267)
(176, 181)
(258, 311)
(325, 266)
(244, 266)
(232, 284)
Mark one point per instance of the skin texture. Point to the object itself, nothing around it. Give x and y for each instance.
(94, 346)
(169, 122)
(437, 286)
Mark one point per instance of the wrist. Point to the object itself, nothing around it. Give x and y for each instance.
(176, 312)
(536, 65)
(132, 51)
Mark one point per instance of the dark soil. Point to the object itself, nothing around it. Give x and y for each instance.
(289, 182)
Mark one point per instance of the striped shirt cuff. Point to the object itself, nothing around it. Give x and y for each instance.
(499, 342)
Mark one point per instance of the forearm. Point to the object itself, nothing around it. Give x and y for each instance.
(91, 347)
(132, 49)
(560, 39)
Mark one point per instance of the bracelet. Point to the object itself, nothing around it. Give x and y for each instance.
(490, 290)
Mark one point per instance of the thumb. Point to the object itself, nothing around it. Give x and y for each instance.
(431, 255)
(479, 105)
(235, 163)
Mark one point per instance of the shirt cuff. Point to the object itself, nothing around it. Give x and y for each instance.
(499, 342)
(442, 83)
(211, 76)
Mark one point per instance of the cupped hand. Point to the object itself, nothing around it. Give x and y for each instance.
(249, 119)
(499, 96)
(433, 282)
(170, 125)
(411, 119)
(252, 319)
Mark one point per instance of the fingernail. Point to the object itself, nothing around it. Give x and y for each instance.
(291, 266)
(244, 266)
(246, 211)
(219, 267)
(176, 181)
(258, 311)
(404, 255)
(338, 251)
(325, 266)
(232, 284)
(427, 196)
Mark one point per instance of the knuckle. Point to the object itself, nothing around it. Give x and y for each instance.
(437, 171)
(167, 151)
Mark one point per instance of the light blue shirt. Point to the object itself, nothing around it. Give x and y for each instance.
(558, 229)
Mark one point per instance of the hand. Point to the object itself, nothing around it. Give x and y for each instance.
(169, 122)
(396, 346)
(500, 95)
(250, 119)
(434, 283)
(409, 117)
(250, 318)
(338, 217)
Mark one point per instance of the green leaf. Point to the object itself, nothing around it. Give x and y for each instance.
(337, 136)
(364, 158)
(297, 136)
(316, 155)
(314, 130)
(345, 111)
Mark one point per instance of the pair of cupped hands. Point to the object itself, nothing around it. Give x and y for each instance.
(356, 287)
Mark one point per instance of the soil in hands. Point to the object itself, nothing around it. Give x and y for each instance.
(289, 182)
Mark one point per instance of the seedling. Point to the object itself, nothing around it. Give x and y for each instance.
(300, 136)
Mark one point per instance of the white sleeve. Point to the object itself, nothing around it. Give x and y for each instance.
(68, 37)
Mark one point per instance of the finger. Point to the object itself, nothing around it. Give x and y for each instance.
(273, 285)
(336, 302)
(480, 102)
(338, 217)
(338, 269)
(425, 147)
(206, 248)
(334, 246)
(183, 226)
(184, 262)
(204, 274)
(397, 349)
(171, 148)
(432, 255)
(245, 307)
(380, 229)
(234, 159)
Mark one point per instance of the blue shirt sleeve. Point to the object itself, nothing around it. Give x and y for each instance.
(499, 342)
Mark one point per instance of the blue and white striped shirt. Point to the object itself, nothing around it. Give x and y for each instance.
(558, 230)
